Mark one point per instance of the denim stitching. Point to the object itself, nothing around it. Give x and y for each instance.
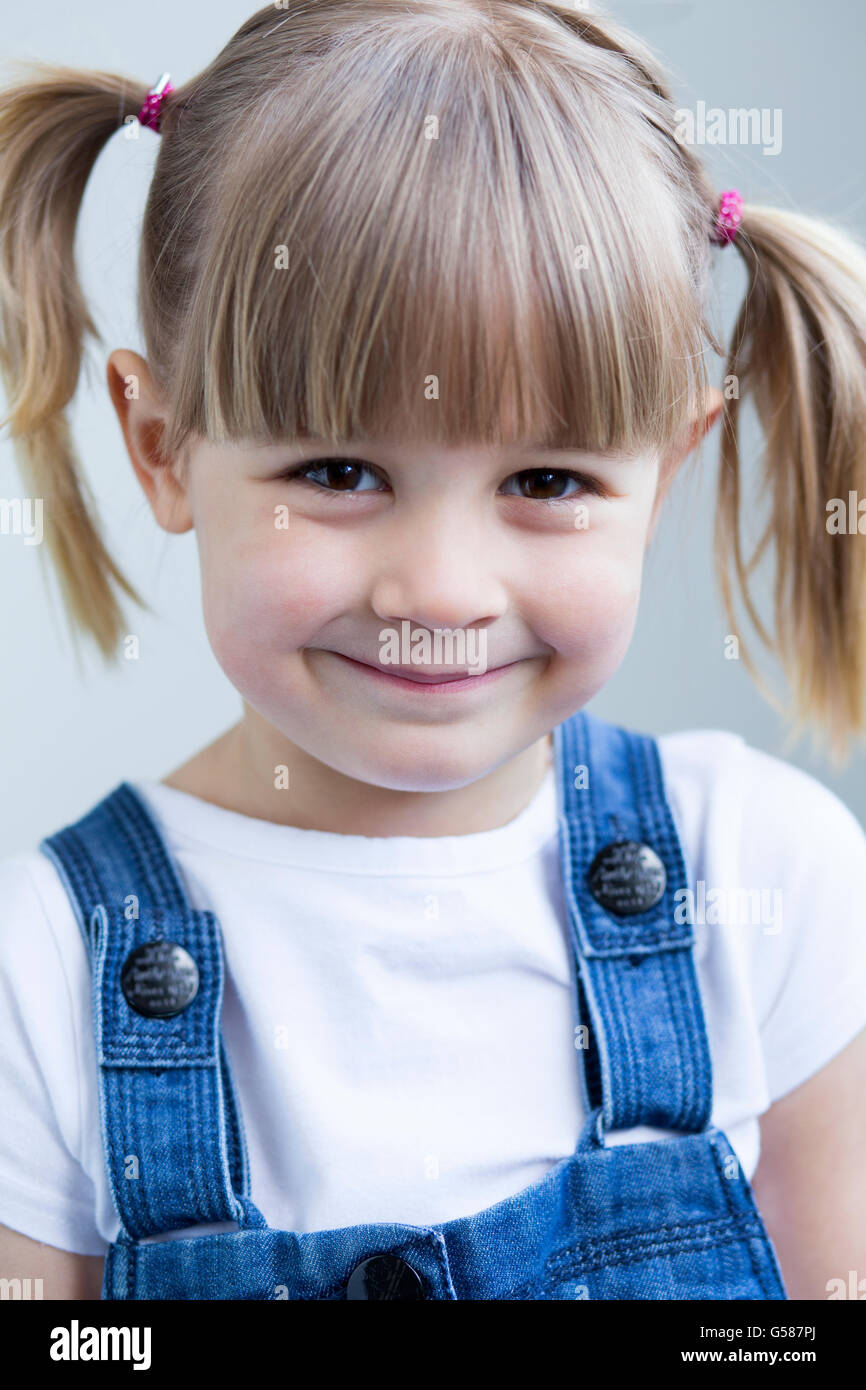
(126, 834)
(619, 1259)
(642, 1237)
(684, 1079)
(154, 868)
(723, 1181)
(617, 1251)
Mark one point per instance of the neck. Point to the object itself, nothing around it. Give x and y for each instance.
(237, 773)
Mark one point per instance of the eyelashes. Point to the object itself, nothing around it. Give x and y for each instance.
(586, 484)
(302, 473)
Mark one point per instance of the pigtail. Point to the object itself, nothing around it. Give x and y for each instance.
(52, 128)
(799, 348)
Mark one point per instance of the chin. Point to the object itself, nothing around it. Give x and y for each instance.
(431, 768)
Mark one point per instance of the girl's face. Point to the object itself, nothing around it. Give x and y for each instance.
(531, 560)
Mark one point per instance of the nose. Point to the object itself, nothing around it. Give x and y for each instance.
(438, 575)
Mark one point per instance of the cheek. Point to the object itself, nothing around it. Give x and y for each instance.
(267, 592)
(588, 607)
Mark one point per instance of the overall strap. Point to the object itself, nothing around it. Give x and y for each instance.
(172, 1131)
(648, 1058)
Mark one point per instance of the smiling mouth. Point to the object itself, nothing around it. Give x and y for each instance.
(430, 680)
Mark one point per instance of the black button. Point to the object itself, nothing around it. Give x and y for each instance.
(159, 979)
(627, 877)
(384, 1276)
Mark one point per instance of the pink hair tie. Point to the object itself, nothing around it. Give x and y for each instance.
(151, 111)
(728, 218)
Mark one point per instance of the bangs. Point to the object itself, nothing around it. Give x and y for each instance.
(452, 246)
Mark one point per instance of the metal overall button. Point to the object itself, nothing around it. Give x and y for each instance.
(159, 979)
(627, 877)
(384, 1276)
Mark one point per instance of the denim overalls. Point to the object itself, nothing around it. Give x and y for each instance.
(672, 1218)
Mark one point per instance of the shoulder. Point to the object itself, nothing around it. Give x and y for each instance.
(44, 965)
(777, 865)
(44, 971)
(760, 807)
(35, 905)
(48, 1058)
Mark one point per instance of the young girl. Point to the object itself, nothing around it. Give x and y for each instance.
(421, 982)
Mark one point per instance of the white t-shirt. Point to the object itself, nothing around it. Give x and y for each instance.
(398, 1010)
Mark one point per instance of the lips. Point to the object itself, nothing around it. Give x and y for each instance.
(427, 677)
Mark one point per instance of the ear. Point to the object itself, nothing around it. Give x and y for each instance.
(142, 419)
(672, 461)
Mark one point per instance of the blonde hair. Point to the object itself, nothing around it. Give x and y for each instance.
(360, 198)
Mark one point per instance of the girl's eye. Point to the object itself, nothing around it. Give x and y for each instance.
(336, 474)
(346, 475)
(545, 484)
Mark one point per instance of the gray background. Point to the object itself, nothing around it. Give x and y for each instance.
(70, 732)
